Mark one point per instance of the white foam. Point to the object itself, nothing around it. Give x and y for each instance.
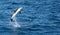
(15, 24)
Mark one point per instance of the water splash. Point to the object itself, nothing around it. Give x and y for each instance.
(14, 23)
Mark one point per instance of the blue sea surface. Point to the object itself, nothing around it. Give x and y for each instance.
(38, 17)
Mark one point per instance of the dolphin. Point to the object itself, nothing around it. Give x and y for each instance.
(15, 13)
(13, 21)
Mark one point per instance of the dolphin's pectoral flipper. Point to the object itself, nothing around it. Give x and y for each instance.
(11, 19)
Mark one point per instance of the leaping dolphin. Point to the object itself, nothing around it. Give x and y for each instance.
(15, 13)
(14, 23)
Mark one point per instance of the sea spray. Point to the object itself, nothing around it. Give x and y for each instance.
(14, 26)
(14, 23)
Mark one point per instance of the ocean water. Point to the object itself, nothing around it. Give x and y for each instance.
(38, 17)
